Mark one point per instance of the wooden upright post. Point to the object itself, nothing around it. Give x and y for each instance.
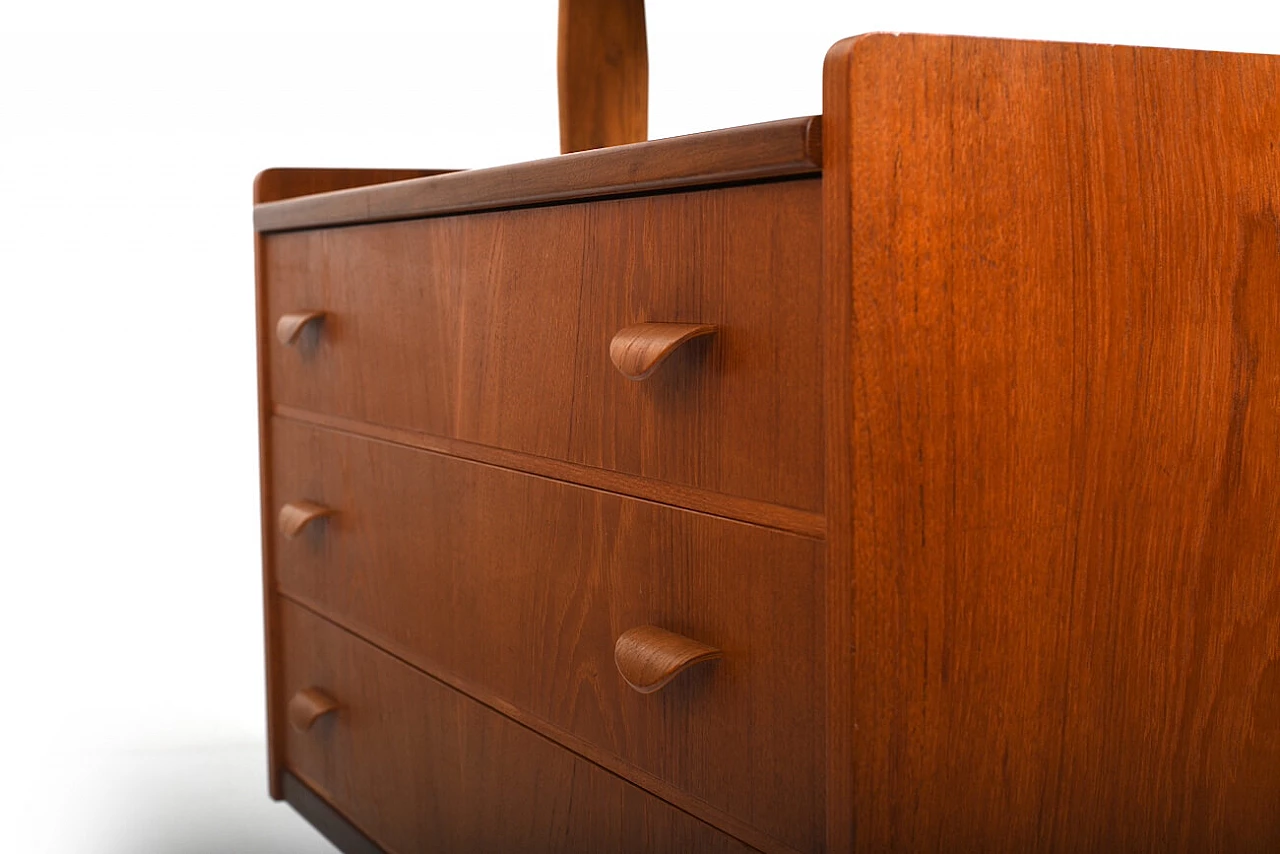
(604, 74)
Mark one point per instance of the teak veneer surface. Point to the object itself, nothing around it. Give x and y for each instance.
(1053, 277)
(1037, 417)
(802, 522)
(419, 767)
(603, 71)
(520, 586)
(496, 329)
(782, 149)
(274, 185)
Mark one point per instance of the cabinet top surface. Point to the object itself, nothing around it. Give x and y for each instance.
(781, 149)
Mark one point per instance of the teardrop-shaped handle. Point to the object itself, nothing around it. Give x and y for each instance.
(308, 706)
(296, 515)
(638, 350)
(289, 327)
(649, 657)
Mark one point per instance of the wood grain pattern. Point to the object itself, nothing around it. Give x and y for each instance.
(839, 377)
(603, 68)
(638, 350)
(784, 149)
(1033, 406)
(307, 706)
(274, 185)
(649, 657)
(417, 766)
(788, 519)
(521, 586)
(1063, 375)
(588, 750)
(500, 325)
(296, 515)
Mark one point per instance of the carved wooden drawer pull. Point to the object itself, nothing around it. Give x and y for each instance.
(308, 706)
(296, 515)
(649, 657)
(638, 350)
(290, 326)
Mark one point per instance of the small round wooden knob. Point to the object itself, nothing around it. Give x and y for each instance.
(638, 350)
(297, 515)
(649, 657)
(308, 706)
(289, 327)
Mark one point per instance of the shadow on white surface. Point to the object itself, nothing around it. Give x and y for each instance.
(198, 800)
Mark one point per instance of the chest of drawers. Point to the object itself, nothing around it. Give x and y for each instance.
(903, 478)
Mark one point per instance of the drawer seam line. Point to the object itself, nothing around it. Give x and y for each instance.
(800, 523)
(620, 768)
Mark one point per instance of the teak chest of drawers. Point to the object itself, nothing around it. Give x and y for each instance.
(900, 479)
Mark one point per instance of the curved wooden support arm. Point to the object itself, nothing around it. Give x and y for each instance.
(296, 515)
(290, 326)
(638, 350)
(604, 74)
(308, 706)
(649, 657)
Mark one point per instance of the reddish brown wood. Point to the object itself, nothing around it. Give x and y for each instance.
(265, 188)
(297, 515)
(417, 766)
(290, 326)
(588, 750)
(496, 328)
(603, 74)
(839, 376)
(273, 185)
(521, 586)
(783, 149)
(1025, 385)
(788, 519)
(638, 350)
(1063, 377)
(648, 657)
(309, 705)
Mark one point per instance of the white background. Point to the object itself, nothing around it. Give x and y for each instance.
(131, 694)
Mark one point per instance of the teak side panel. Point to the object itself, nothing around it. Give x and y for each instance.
(839, 372)
(521, 586)
(420, 767)
(495, 329)
(1064, 265)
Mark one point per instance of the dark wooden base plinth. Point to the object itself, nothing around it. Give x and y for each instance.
(325, 818)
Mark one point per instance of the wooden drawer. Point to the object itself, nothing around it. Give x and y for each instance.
(496, 329)
(419, 767)
(516, 588)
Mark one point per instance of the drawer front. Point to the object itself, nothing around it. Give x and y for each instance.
(419, 767)
(517, 588)
(496, 329)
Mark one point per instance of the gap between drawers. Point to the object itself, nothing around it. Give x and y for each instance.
(787, 519)
(598, 756)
